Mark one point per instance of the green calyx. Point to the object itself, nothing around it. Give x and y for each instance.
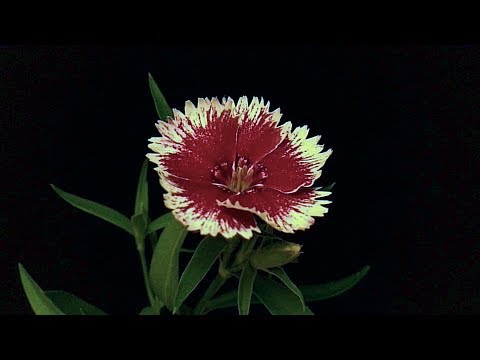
(275, 255)
(241, 252)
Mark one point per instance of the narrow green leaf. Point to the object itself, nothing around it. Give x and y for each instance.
(71, 304)
(202, 260)
(164, 265)
(283, 277)
(184, 310)
(334, 288)
(160, 222)
(226, 300)
(141, 200)
(101, 211)
(148, 311)
(161, 105)
(39, 302)
(329, 187)
(310, 292)
(245, 288)
(278, 299)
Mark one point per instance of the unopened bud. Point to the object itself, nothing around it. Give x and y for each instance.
(275, 255)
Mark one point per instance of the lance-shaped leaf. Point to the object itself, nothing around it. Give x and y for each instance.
(40, 303)
(245, 289)
(71, 304)
(202, 260)
(164, 265)
(334, 288)
(282, 275)
(141, 204)
(329, 187)
(101, 211)
(226, 300)
(160, 222)
(277, 298)
(310, 292)
(163, 110)
(141, 200)
(148, 311)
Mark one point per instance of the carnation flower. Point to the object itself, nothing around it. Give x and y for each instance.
(221, 163)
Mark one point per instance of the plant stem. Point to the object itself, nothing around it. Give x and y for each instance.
(151, 299)
(243, 254)
(268, 229)
(214, 286)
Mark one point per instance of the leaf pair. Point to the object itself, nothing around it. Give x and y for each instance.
(164, 268)
(108, 214)
(139, 226)
(54, 302)
(205, 255)
(96, 209)
(141, 201)
(281, 298)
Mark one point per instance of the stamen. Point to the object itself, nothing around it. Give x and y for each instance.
(240, 177)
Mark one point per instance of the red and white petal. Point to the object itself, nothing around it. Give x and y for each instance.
(284, 212)
(296, 162)
(195, 206)
(192, 144)
(258, 133)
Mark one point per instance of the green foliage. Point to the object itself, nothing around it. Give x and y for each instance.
(141, 200)
(41, 304)
(160, 222)
(282, 275)
(71, 304)
(310, 293)
(148, 311)
(96, 209)
(164, 265)
(329, 187)
(278, 299)
(202, 260)
(334, 288)
(245, 289)
(161, 105)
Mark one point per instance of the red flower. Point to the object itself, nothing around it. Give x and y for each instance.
(220, 163)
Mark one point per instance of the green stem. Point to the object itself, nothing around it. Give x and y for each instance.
(214, 286)
(246, 248)
(151, 298)
(251, 244)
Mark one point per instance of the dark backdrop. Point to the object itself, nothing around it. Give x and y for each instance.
(402, 121)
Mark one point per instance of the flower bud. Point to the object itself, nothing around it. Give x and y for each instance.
(275, 255)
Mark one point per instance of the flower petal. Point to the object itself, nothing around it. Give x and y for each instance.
(296, 162)
(284, 212)
(195, 206)
(258, 133)
(192, 144)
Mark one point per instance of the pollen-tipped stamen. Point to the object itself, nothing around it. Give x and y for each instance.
(239, 177)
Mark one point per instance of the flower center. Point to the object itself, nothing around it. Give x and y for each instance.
(240, 176)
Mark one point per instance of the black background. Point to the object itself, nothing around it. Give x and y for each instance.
(402, 121)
